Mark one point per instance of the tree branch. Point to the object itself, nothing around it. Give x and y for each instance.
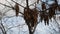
(10, 7)
(18, 3)
(7, 6)
(9, 3)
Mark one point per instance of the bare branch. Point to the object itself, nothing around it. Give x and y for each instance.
(10, 7)
(9, 3)
(12, 16)
(18, 3)
(7, 11)
(7, 6)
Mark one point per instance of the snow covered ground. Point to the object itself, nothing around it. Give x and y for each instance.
(16, 25)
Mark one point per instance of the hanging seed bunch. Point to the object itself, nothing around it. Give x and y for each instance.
(54, 6)
(17, 9)
(41, 15)
(51, 12)
(30, 16)
(27, 15)
(44, 14)
(34, 17)
(46, 19)
(43, 6)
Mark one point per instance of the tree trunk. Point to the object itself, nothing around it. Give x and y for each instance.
(27, 3)
(30, 30)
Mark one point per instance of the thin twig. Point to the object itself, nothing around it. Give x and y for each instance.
(10, 7)
(7, 6)
(18, 4)
(9, 3)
